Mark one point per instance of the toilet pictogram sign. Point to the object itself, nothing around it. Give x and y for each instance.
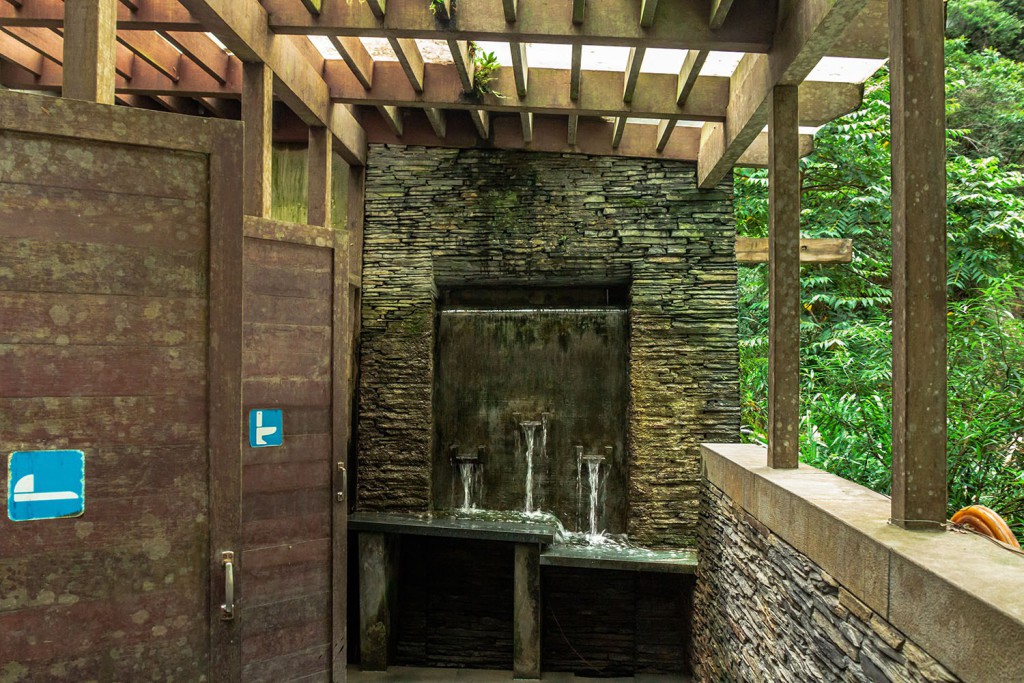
(266, 428)
(45, 485)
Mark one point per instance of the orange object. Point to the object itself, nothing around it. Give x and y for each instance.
(986, 522)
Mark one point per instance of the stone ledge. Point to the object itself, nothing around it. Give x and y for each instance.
(956, 595)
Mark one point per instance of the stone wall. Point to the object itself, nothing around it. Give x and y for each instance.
(763, 611)
(437, 217)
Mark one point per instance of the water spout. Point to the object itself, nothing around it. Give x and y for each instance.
(469, 472)
(530, 435)
(594, 480)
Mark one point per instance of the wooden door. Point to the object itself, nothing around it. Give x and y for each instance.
(293, 522)
(120, 255)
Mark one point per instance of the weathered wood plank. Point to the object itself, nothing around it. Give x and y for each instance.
(285, 627)
(34, 266)
(289, 391)
(98, 217)
(257, 116)
(280, 310)
(754, 250)
(283, 572)
(319, 165)
(101, 166)
(277, 477)
(283, 231)
(49, 370)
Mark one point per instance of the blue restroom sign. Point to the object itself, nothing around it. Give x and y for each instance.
(45, 485)
(266, 428)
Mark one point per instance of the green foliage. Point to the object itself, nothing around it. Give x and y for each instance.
(437, 8)
(988, 24)
(485, 71)
(846, 338)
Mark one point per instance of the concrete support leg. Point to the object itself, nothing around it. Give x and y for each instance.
(378, 573)
(526, 627)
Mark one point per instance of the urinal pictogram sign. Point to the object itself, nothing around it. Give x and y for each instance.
(45, 485)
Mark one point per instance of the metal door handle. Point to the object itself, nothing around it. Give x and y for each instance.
(344, 482)
(227, 610)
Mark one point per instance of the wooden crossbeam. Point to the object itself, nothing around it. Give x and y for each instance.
(408, 53)
(520, 68)
(620, 128)
(803, 39)
(377, 7)
(481, 121)
(550, 134)
(151, 48)
(464, 64)
(90, 51)
(510, 7)
(647, 11)
(550, 93)
(574, 125)
(42, 40)
(357, 57)
(437, 120)
(633, 64)
(17, 52)
(753, 250)
(205, 53)
(579, 8)
(242, 26)
(393, 117)
(719, 12)
(688, 74)
(665, 130)
(576, 72)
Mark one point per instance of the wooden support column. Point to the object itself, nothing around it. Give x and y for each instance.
(527, 618)
(90, 48)
(918, 264)
(378, 586)
(784, 279)
(257, 117)
(318, 177)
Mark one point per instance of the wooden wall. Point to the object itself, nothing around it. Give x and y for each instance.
(104, 298)
(287, 492)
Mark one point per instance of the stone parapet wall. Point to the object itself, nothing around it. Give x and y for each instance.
(763, 611)
(440, 217)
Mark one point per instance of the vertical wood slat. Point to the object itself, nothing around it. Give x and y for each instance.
(576, 72)
(918, 265)
(318, 175)
(784, 279)
(225, 387)
(90, 46)
(257, 115)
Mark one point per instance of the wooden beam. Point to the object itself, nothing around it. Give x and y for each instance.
(545, 134)
(549, 93)
(42, 40)
(132, 5)
(377, 7)
(257, 117)
(356, 57)
(313, 6)
(520, 68)
(647, 10)
(481, 121)
(319, 187)
(526, 120)
(90, 46)
(575, 72)
(510, 7)
(221, 108)
(665, 130)
(408, 53)
(393, 117)
(633, 64)
(620, 128)
(579, 7)
(242, 26)
(204, 53)
(804, 37)
(18, 53)
(752, 250)
(464, 64)
(918, 265)
(437, 120)
(783, 280)
(151, 48)
(719, 13)
(574, 124)
(688, 74)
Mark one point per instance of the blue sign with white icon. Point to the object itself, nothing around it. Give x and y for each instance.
(45, 485)
(266, 428)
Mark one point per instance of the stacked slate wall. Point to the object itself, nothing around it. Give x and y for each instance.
(763, 611)
(436, 218)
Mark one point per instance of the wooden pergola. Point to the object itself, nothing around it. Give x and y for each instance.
(162, 53)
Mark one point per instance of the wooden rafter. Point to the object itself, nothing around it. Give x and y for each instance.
(520, 68)
(803, 39)
(393, 117)
(633, 64)
(719, 12)
(355, 55)
(647, 10)
(689, 73)
(18, 53)
(44, 41)
(241, 24)
(205, 53)
(751, 250)
(576, 72)
(151, 48)
(408, 53)
(510, 8)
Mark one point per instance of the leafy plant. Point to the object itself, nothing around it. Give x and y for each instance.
(437, 7)
(484, 72)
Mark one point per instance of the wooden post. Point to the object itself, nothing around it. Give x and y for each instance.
(918, 264)
(90, 45)
(527, 618)
(318, 177)
(378, 580)
(784, 279)
(257, 115)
